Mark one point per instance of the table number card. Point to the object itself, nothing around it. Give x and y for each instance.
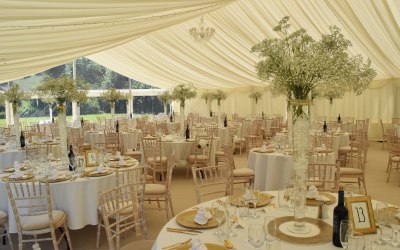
(361, 214)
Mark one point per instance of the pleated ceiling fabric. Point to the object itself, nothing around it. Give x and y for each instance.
(159, 51)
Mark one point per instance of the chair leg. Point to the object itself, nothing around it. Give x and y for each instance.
(389, 172)
(68, 236)
(166, 207)
(172, 208)
(54, 239)
(98, 231)
(20, 244)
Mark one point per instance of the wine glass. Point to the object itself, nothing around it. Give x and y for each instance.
(345, 231)
(256, 235)
(245, 196)
(356, 241)
(232, 215)
(218, 212)
(381, 219)
(270, 229)
(394, 219)
(254, 197)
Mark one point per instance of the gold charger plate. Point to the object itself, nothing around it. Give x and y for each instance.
(186, 219)
(24, 177)
(94, 173)
(324, 235)
(327, 151)
(210, 246)
(263, 200)
(11, 169)
(258, 150)
(313, 202)
(59, 179)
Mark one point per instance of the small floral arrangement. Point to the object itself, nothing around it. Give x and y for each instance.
(165, 97)
(207, 96)
(14, 95)
(219, 96)
(256, 96)
(202, 144)
(182, 92)
(112, 95)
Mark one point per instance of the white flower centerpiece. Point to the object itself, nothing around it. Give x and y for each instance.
(112, 95)
(183, 92)
(256, 96)
(202, 144)
(208, 97)
(15, 95)
(219, 96)
(165, 98)
(62, 89)
(301, 68)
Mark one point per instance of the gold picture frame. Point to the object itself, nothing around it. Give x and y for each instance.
(361, 214)
(91, 158)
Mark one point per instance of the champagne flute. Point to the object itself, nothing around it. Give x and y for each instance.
(254, 197)
(356, 241)
(256, 235)
(218, 212)
(381, 220)
(345, 231)
(395, 225)
(232, 215)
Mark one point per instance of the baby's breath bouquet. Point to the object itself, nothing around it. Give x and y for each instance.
(302, 68)
(183, 92)
(112, 95)
(207, 96)
(255, 96)
(219, 96)
(165, 98)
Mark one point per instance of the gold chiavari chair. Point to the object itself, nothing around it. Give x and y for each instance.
(324, 176)
(4, 225)
(211, 129)
(201, 152)
(55, 132)
(394, 155)
(238, 175)
(162, 126)
(153, 155)
(34, 214)
(111, 141)
(395, 120)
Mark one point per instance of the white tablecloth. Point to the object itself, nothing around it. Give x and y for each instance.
(79, 199)
(166, 238)
(272, 170)
(8, 157)
(129, 139)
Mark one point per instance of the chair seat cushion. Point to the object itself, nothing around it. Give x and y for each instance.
(149, 177)
(395, 158)
(133, 153)
(350, 171)
(163, 159)
(29, 223)
(199, 157)
(348, 149)
(152, 189)
(243, 172)
(2, 215)
(219, 153)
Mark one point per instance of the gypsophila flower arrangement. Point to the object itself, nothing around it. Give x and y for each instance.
(296, 65)
(183, 92)
(219, 96)
(15, 95)
(165, 97)
(207, 96)
(112, 95)
(202, 144)
(256, 96)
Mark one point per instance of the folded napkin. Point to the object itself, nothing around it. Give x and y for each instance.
(202, 216)
(54, 174)
(121, 161)
(16, 165)
(314, 194)
(338, 131)
(100, 168)
(197, 244)
(263, 148)
(16, 175)
(323, 147)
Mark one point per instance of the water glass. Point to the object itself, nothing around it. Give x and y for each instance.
(381, 221)
(394, 219)
(270, 228)
(256, 235)
(345, 231)
(217, 212)
(254, 197)
(356, 241)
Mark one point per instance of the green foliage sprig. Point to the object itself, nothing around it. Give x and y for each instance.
(14, 95)
(207, 96)
(256, 96)
(219, 96)
(297, 66)
(183, 92)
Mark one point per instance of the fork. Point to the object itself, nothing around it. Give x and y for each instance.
(171, 247)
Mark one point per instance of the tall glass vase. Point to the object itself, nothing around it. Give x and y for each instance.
(16, 123)
(182, 119)
(112, 104)
(62, 126)
(300, 137)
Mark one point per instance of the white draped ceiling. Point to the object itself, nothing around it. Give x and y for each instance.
(148, 40)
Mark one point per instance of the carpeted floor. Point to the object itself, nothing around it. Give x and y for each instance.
(183, 197)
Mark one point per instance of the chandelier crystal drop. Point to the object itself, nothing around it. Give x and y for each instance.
(202, 33)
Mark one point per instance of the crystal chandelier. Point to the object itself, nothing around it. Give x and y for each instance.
(202, 33)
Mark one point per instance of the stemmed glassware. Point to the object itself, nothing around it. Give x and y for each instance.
(245, 196)
(356, 241)
(345, 232)
(381, 220)
(254, 197)
(218, 213)
(256, 235)
(394, 220)
(232, 216)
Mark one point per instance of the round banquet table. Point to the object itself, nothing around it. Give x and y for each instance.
(78, 198)
(272, 170)
(129, 139)
(166, 238)
(8, 156)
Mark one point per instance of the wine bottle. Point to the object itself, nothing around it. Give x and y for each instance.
(82, 122)
(71, 158)
(22, 140)
(225, 123)
(339, 213)
(52, 120)
(130, 115)
(117, 127)
(339, 119)
(187, 133)
(325, 127)
(210, 113)
(171, 118)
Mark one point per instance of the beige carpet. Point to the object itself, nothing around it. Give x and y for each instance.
(183, 197)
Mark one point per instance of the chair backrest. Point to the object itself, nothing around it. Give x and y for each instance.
(394, 146)
(149, 129)
(162, 127)
(254, 142)
(323, 138)
(211, 129)
(122, 210)
(151, 148)
(55, 132)
(129, 175)
(35, 151)
(395, 120)
(209, 183)
(30, 198)
(325, 176)
(6, 131)
(202, 146)
(111, 140)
